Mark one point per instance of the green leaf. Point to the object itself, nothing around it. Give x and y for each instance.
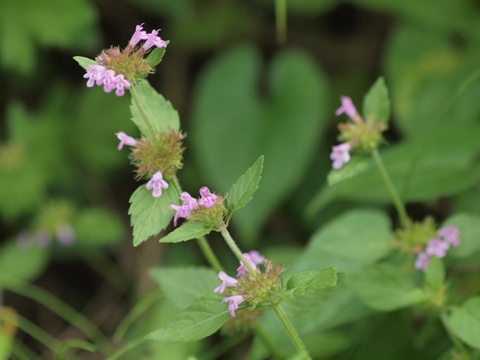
(24, 263)
(96, 227)
(150, 215)
(464, 322)
(348, 242)
(242, 191)
(385, 288)
(310, 281)
(182, 286)
(201, 319)
(284, 125)
(160, 112)
(469, 227)
(435, 275)
(84, 62)
(356, 165)
(187, 231)
(156, 56)
(376, 103)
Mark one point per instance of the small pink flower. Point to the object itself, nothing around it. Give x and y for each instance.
(253, 258)
(153, 40)
(340, 155)
(208, 199)
(189, 201)
(347, 107)
(226, 281)
(234, 302)
(422, 261)
(125, 140)
(157, 184)
(437, 247)
(108, 81)
(94, 74)
(256, 257)
(182, 211)
(138, 35)
(120, 84)
(450, 234)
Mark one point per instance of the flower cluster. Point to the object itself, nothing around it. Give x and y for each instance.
(253, 258)
(438, 246)
(364, 135)
(192, 206)
(115, 69)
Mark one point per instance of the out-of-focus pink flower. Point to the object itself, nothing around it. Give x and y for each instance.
(347, 107)
(157, 184)
(437, 247)
(450, 234)
(340, 155)
(153, 40)
(234, 300)
(208, 199)
(182, 211)
(422, 261)
(253, 258)
(226, 281)
(125, 140)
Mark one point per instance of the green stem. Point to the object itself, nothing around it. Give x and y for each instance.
(22, 352)
(143, 113)
(236, 250)
(281, 21)
(267, 342)
(458, 344)
(73, 343)
(220, 348)
(209, 254)
(291, 331)
(405, 221)
(131, 345)
(37, 333)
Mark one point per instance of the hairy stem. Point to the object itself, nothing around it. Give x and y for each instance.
(236, 250)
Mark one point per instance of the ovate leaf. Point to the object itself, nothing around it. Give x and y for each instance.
(150, 215)
(242, 191)
(464, 322)
(84, 62)
(188, 231)
(376, 103)
(156, 56)
(310, 281)
(201, 319)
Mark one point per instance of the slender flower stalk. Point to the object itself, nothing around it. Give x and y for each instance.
(404, 219)
(209, 254)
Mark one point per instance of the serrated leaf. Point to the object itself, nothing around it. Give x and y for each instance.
(150, 215)
(84, 62)
(356, 165)
(242, 191)
(188, 231)
(183, 285)
(160, 112)
(385, 288)
(156, 56)
(201, 319)
(464, 322)
(310, 281)
(376, 103)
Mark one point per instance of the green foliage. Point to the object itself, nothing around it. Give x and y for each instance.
(464, 322)
(95, 227)
(183, 285)
(469, 226)
(188, 231)
(242, 191)
(376, 103)
(84, 62)
(385, 288)
(156, 56)
(160, 112)
(435, 275)
(310, 281)
(356, 165)
(284, 126)
(150, 215)
(201, 319)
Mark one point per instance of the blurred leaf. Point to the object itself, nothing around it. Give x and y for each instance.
(469, 226)
(284, 127)
(84, 62)
(160, 112)
(156, 56)
(183, 285)
(356, 165)
(376, 103)
(385, 288)
(187, 231)
(347, 243)
(26, 23)
(201, 319)
(96, 227)
(22, 262)
(447, 166)
(464, 322)
(150, 215)
(310, 281)
(242, 191)
(305, 8)
(435, 275)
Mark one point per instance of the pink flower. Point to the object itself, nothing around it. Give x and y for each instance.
(234, 300)
(94, 74)
(108, 81)
(120, 84)
(189, 201)
(182, 211)
(347, 107)
(450, 234)
(153, 40)
(253, 258)
(65, 234)
(208, 199)
(437, 247)
(256, 257)
(125, 140)
(340, 155)
(138, 35)
(422, 261)
(157, 184)
(226, 281)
